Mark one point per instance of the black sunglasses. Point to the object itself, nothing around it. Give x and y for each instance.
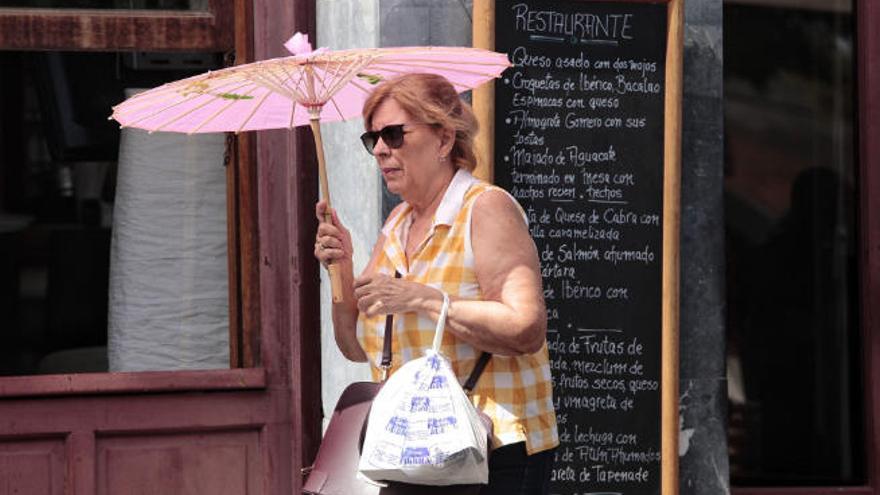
(392, 135)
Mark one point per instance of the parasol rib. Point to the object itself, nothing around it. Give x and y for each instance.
(181, 88)
(269, 81)
(254, 111)
(349, 75)
(310, 85)
(170, 106)
(336, 81)
(324, 88)
(295, 89)
(220, 111)
(180, 116)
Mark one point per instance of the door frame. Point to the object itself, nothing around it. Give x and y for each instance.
(868, 99)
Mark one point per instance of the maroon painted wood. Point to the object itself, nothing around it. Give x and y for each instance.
(81, 426)
(219, 463)
(868, 63)
(35, 466)
(288, 272)
(108, 30)
(131, 382)
(236, 431)
(856, 490)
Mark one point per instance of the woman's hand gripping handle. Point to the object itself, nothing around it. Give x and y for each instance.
(332, 247)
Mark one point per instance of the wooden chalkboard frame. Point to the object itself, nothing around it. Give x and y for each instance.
(483, 103)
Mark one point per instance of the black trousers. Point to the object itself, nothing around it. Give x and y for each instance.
(513, 472)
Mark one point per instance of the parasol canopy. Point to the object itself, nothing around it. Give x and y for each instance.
(286, 92)
(308, 87)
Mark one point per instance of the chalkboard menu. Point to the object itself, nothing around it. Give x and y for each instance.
(579, 129)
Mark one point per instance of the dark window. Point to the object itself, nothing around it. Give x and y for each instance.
(790, 189)
(72, 300)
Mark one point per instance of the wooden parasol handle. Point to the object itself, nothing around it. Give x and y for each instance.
(332, 269)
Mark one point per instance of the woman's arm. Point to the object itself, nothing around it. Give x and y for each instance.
(511, 319)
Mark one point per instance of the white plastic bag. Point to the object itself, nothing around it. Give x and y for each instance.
(422, 427)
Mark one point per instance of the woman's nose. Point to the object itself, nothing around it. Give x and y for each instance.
(381, 148)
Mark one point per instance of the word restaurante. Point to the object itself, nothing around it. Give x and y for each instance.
(582, 25)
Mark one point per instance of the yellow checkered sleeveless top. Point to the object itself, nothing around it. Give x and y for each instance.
(515, 391)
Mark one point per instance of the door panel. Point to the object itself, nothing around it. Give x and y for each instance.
(32, 467)
(219, 463)
(214, 443)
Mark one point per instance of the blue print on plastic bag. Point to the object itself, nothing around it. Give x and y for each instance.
(420, 404)
(434, 361)
(437, 426)
(438, 382)
(415, 455)
(397, 425)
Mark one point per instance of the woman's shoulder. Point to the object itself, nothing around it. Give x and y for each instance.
(477, 189)
(490, 199)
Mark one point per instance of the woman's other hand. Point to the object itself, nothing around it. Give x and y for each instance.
(381, 294)
(332, 241)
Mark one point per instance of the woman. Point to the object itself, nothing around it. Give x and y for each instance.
(467, 238)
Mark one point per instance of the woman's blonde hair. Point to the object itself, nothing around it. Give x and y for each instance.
(431, 99)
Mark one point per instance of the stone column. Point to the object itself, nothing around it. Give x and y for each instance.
(704, 463)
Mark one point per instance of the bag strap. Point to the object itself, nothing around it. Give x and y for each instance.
(476, 372)
(386, 341)
(441, 323)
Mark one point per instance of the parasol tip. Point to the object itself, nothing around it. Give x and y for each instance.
(299, 45)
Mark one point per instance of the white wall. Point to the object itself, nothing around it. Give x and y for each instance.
(355, 188)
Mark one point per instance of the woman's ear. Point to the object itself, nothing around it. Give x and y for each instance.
(447, 141)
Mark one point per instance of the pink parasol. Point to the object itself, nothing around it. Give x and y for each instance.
(306, 88)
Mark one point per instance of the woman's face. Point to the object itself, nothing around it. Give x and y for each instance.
(410, 170)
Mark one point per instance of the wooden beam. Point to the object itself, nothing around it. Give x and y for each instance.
(135, 382)
(868, 69)
(244, 279)
(484, 96)
(115, 30)
(669, 354)
(289, 277)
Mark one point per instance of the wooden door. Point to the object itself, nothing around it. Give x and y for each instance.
(248, 429)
